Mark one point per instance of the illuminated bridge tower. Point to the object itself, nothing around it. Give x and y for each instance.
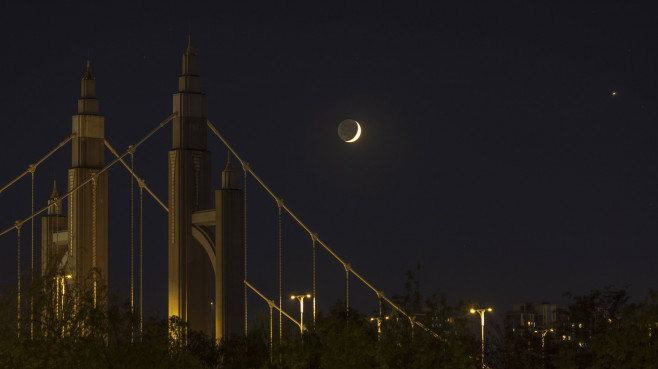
(191, 277)
(54, 242)
(229, 260)
(206, 254)
(87, 207)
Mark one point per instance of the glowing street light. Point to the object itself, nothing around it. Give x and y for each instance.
(379, 325)
(481, 312)
(543, 334)
(300, 298)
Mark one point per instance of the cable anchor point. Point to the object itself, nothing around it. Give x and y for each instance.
(140, 182)
(245, 166)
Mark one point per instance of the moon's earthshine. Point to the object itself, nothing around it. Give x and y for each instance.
(349, 130)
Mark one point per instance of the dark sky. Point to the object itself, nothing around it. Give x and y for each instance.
(493, 151)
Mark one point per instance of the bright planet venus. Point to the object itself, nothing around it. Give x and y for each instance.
(349, 130)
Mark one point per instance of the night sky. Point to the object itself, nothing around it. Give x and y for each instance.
(494, 151)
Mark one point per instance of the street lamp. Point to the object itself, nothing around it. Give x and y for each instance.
(543, 334)
(481, 312)
(379, 325)
(300, 298)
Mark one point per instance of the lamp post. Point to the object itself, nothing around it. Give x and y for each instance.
(543, 334)
(481, 312)
(379, 326)
(300, 298)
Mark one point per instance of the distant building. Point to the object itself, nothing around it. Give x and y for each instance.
(531, 316)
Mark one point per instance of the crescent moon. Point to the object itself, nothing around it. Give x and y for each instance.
(358, 132)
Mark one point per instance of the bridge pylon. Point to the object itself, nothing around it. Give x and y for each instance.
(76, 245)
(205, 244)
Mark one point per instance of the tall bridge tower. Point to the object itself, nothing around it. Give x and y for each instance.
(190, 270)
(205, 244)
(87, 210)
(206, 257)
(76, 245)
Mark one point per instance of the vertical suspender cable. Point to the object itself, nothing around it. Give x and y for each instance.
(347, 294)
(280, 274)
(132, 243)
(52, 247)
(93, 233)
(313, 236)
(70, 221)
(57, 298)
(32, 261)
(379, 299)
(271, 340)
(18, 268)
(141, 254)
(411, 320)
(132, 235)
(244, 214)
(71, 256)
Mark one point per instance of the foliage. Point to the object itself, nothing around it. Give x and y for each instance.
(600, 330)
(609, 332)
(75, 328)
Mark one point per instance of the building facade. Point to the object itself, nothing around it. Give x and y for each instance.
(531, 316)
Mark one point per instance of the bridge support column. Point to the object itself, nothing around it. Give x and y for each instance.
(229, 254)
(190, 270)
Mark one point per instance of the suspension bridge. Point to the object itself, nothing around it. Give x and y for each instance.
(208, 250)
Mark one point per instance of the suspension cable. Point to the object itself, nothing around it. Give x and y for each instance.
(313, 236)
(70, 221)
(301, 224)
(379, 301)
(53, 245)
(132, 241)
(33, 167)
(273, 305)
(244, 220)
(32, 257)
(93, 233)
(100, 171)
(18, 268)
(133, 174)
(347, 292)
(279, 203)
(141, 258)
